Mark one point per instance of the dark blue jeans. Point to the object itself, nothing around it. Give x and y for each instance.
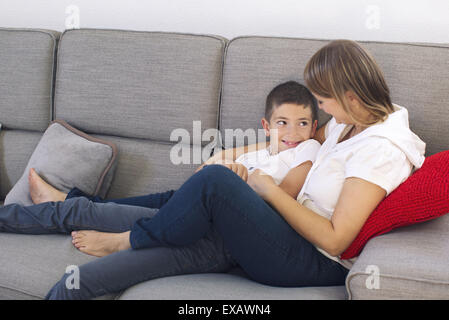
(214, 215)
(258, 238)
(155, 200)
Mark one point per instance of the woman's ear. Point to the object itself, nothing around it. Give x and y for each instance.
(266, 126)
(352, 98)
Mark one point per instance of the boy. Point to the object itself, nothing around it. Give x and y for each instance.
(290, 121)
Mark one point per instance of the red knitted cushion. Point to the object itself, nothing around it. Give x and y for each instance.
(423, 196)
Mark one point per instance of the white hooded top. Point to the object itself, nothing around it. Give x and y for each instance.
(384, 154)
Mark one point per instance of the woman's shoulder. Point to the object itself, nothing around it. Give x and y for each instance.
(375, 145)
(376, 154)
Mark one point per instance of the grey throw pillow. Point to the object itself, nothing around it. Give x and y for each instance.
(65, 158)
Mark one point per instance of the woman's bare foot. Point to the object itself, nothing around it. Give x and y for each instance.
(41, 191)
(100, 244)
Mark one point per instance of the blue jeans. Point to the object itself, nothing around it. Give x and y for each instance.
(214, 217)
(155, 200)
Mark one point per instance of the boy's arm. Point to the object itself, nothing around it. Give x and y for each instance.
(229, 155)
(295, 178)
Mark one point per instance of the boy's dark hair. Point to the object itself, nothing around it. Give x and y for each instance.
(290, 92)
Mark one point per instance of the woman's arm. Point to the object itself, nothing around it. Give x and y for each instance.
(357, 200)
(228, 156)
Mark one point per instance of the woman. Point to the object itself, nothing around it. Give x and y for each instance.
(216, 220)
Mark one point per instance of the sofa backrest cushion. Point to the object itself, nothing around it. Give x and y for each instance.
(415, 73)
(138, 84)
(26, 89)
(26, 78)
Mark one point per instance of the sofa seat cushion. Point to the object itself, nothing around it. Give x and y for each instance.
(224, 286)
(407, 263)
(31, 264)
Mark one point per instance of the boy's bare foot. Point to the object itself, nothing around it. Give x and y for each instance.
(100, 244)
(41, 191)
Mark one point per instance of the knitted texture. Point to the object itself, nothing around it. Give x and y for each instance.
(423, 196)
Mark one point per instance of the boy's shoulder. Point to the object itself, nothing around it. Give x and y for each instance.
(307, 147)
(310, 142)
(305, 151)
(311, 145)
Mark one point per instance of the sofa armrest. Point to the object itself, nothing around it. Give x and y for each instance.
(408, 263)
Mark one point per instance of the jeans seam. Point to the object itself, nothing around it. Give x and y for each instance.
(96, 228)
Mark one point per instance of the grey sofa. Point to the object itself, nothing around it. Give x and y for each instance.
(134, 88)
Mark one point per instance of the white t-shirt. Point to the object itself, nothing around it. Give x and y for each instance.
(382, 160)
(278, 165)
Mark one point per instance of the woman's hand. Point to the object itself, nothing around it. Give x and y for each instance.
(261, 182)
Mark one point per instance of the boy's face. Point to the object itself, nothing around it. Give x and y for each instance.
(292, 123)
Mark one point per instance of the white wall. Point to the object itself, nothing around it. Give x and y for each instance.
(384, 20)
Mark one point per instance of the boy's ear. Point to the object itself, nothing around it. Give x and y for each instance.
(314, 126)
(266, 126)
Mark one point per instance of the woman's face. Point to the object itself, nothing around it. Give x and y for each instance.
(332, 107)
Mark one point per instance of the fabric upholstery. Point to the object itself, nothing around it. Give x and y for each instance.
(410, 262)
(26, 77)
(231, 286)
(234, 285)
(16, 148)
(138, 84)
(141, 170)
(31, 264)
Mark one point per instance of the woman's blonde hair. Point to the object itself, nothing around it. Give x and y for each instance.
(343, 65)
